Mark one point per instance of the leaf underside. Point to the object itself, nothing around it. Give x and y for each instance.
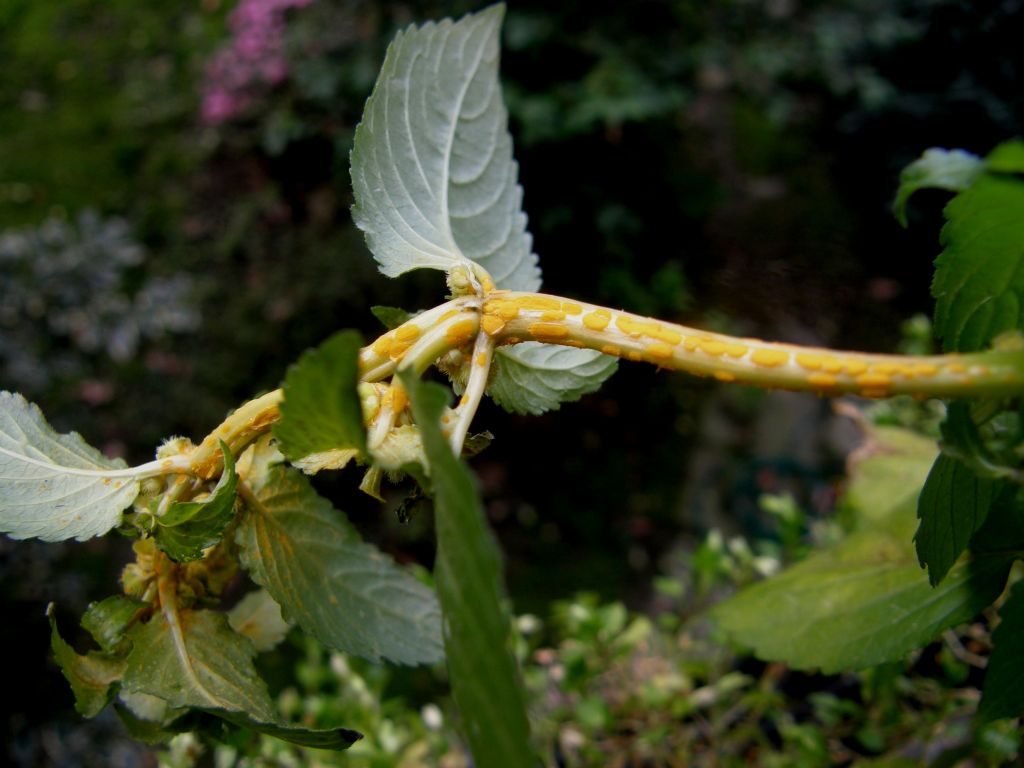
(53, 486)
(347, 593)
(432, 170)
(952, 170)
(531, 378)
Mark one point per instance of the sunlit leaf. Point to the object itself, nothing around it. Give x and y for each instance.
(950, 169)
(432, 170)
(532, 378)
(346, 593)
(188, 528)
(321, 412)
(478, 634)
(55, 486)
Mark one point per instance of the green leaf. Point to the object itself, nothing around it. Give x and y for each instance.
(93, 677)
(187, 528)
(478, 634)
(321, 412)
(258, 617)
(196, 660)
(1002, 533)
(53, 486)
(108, 620)
(391, 317)
(1008, 157)
(865, 600)
(861, 603)
(432, 170)
(346, 593)
(979, 276)
(953, 505)
(532, 378)
(1003, 691)
(951, 169)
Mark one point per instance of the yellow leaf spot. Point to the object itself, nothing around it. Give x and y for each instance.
(724, 376)
(538, 302)
(481, 359)
(543, 331)
(873, 382)
(398, 350)
(382, 345)
(608, 349)
(407, 333)
(712, 347)
(809, 361)
(460, 332)
(925, 369)
(598, 320)
(571, 308)
(666, 335)
(659, 350)
(552, 315)
(769, 358)
(855, 367)
(736, 350)
(398, 399)
(491, 324)
(823, 380)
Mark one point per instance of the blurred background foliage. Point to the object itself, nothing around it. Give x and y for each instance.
(174, 230)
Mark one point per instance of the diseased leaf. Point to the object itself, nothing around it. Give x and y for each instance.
(258, 617)
(187, 528)
(346, 593)
(532, 378)
(1003, 691)
(321, 412)
(196, 660)
(108, 620)
(432, 170)
(979, 276)
(93, 677)
(54, 486)
(953, 505)
(478, 635)
(953, 170)
(861, 603)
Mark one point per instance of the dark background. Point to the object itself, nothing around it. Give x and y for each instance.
(728, 164)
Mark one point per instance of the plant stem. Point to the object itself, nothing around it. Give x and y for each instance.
(512, 317)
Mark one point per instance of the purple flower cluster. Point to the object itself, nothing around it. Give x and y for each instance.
(254, 58)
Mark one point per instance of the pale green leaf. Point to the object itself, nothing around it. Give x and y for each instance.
(532, 378)
(188, 528)
(478, 634)
(953, 170)
(258, 617)
(346, 593)
(1008, 157)
(55, 486)
(432, 170)
(196, 660)
(92, 677)
(979, 276)
(861, 603)
(1003, 692)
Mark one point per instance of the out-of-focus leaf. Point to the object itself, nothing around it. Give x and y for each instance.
(1003, 692)
(258, 617)
(55, 486)
(478, 634)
